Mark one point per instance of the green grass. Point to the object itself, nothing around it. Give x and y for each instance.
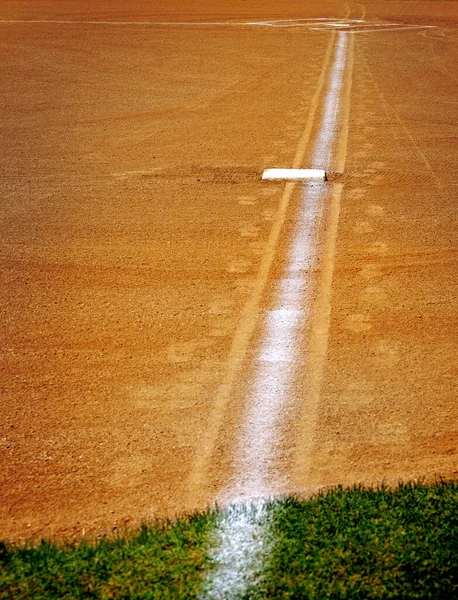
(368, 544)
(164, 560)
(354, 543)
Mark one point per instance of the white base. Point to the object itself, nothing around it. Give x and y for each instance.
(294, 174)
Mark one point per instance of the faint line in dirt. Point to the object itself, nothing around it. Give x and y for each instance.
(435, 63)
(261, 23)
(390, 109)
(382, 28)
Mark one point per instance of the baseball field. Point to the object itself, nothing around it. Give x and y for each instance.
(178, 331)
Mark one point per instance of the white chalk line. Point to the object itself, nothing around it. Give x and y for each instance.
(261, 23)
(251, 310)
(269, 399)
(322, 155)
(317, 344)
(322, 24)
(182, 23)
(242, 545)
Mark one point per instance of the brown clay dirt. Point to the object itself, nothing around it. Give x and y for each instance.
(133, 224)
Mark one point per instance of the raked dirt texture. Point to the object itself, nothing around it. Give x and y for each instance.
(353, 543)
(177, 331)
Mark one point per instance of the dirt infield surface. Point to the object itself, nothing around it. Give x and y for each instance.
(135, 233)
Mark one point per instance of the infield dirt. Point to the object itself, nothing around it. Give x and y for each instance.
(133, 225)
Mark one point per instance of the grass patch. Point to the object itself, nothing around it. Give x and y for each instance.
(345, 543)
(364, 543)
(164, 560)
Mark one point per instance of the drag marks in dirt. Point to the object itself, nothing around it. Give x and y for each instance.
(368, 321)
(375, 252)
(252, 229)
(247, 200)
(211, 174)
(323, 24)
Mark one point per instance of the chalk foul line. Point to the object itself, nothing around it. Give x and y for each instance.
(322, 24)
(242, 548)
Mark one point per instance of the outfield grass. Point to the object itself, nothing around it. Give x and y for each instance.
(356, 543)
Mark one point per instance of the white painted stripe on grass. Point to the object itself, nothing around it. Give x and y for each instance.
(242, 551)
(294, 174)
(242, 548)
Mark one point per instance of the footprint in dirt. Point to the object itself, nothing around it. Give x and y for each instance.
(358, 323)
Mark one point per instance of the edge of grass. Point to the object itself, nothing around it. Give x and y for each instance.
(357, 542)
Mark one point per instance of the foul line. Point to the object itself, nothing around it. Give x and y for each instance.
(70, 22)
(321, 24)
(261, 23)
(251, 310)
(319, 336)
(244, 545)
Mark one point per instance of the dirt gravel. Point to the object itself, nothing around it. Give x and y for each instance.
(133, 224)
